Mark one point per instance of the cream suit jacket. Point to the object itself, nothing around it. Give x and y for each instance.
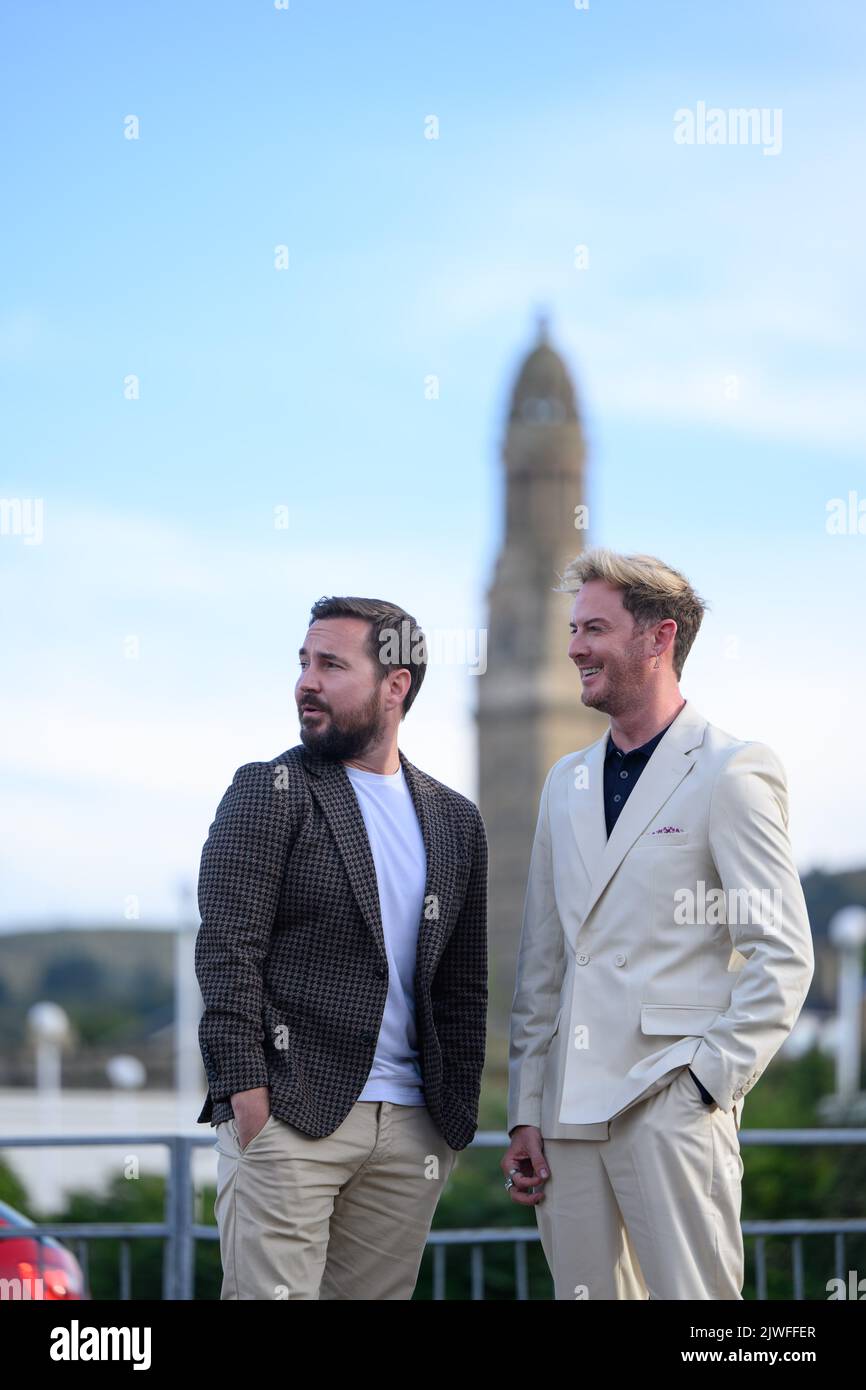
(616, 988)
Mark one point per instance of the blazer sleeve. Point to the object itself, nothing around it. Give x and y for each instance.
(240, 878)
(540, 972)
(749, 844)
(460, 990)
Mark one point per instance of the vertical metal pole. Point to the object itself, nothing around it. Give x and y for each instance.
(760, 1268)
(179, 1249)
(521, 1279)
(439, 1252)
(847, 932)
(797, 1261)
(478, 1273)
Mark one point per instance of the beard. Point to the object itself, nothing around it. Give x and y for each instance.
(624, 684)
(348, 737)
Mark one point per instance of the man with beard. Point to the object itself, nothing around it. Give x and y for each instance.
(665, 956)
(342, 958)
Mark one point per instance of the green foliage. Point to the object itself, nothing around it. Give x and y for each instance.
(12, 1190)
(808, 1181)
(100, 1025)
(72, 975)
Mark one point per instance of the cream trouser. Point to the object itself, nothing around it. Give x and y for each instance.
(653, 1211)
(344, 1217)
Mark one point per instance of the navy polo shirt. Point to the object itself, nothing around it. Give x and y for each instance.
(621, 771)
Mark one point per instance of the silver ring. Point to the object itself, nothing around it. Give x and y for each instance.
(509, 1181)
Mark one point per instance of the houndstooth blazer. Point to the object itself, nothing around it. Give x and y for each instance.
(290, 955)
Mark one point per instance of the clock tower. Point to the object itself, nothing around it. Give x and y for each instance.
(529, 711)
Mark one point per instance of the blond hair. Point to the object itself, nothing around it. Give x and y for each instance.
(651, 591)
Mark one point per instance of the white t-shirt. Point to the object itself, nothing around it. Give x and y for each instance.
(400, 859)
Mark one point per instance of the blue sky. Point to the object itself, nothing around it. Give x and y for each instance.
(716, 338)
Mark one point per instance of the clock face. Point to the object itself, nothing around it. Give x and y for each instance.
(542, 410)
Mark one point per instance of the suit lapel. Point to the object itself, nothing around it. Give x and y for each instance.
(438, 838)
(586, 806)
(335, 794)
(668, 765)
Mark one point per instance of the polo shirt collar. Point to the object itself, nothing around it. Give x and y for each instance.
(644, 751)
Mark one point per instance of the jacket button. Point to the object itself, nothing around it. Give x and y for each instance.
(368, 1037)
(380, 972)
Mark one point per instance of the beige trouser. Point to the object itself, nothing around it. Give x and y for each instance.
(344, 1217)
(653, 1211)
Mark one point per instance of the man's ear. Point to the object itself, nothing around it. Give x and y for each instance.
(666, 633)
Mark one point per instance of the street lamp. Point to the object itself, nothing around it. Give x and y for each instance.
(848, 933)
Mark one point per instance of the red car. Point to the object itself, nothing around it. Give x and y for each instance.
(34, 1266)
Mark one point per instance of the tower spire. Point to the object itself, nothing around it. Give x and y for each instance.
(529, 709)
(543, 392)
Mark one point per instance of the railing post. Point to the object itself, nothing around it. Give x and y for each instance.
(477, 1267)
(521, 1280)
(177, 1282)
(797, 1257)
(439, 1272)
(125, 1271)
(760, 1268)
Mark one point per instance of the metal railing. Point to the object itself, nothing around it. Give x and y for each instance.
(180, 1232)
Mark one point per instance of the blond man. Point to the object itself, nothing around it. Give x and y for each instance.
(664, 958)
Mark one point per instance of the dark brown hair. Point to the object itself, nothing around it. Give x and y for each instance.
(386, 626)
